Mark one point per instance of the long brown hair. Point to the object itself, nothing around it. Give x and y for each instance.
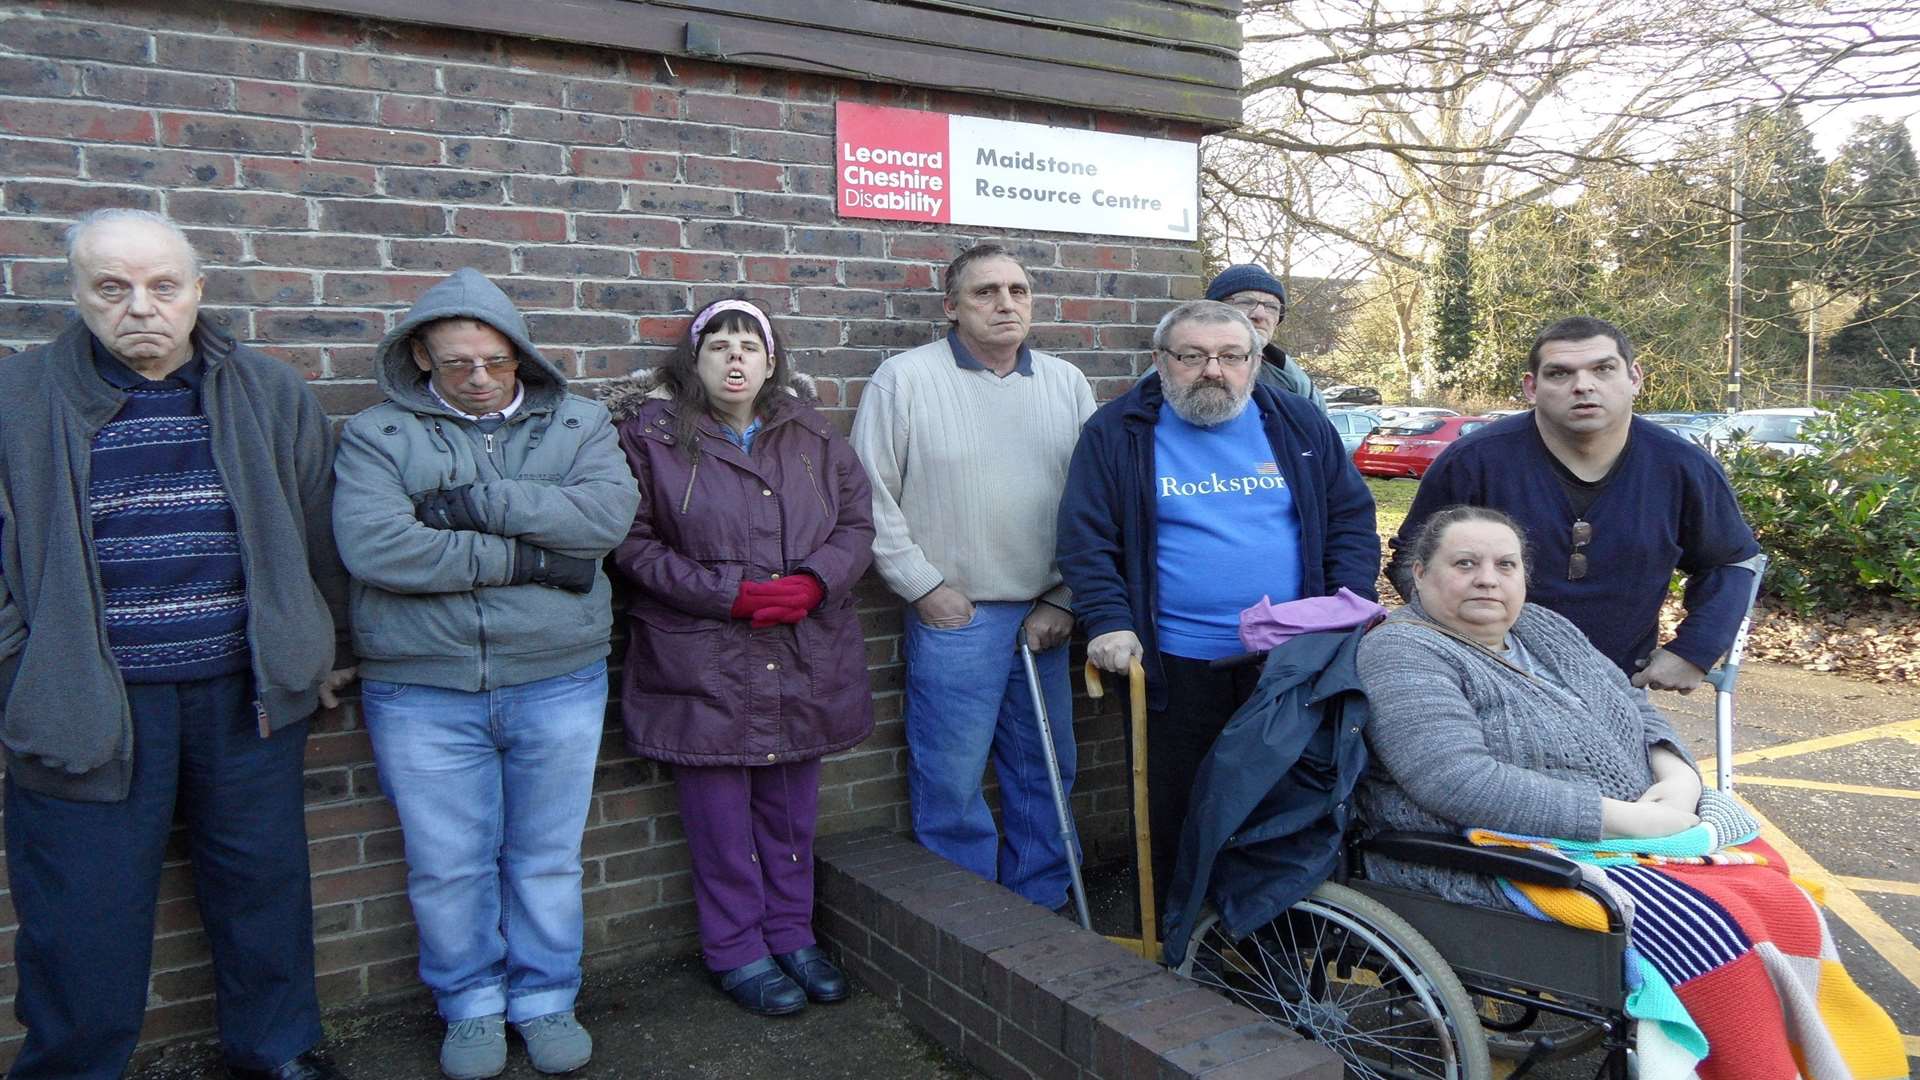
(680, 375)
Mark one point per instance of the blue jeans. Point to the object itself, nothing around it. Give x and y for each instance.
(492, 788)
(85, 876)
(967, 698)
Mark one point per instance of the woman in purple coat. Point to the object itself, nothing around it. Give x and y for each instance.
(745, 660)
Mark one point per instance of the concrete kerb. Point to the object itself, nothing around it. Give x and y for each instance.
(1021, 992)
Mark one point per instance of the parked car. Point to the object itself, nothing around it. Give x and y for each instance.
(1353, 424)
(1692, 425)
(1393, 414)
(1351, 395)
(1496, 414)
(1408, 447)
(1777, 430)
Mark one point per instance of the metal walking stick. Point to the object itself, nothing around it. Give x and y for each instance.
(1053, 778)
(1722, 678)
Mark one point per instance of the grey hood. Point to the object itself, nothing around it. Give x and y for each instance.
(466, 294)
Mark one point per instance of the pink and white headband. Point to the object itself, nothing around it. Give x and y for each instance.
(701, 320)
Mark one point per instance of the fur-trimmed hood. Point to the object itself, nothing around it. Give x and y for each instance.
(623, 399)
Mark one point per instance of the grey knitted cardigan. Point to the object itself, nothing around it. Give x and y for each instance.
(1461, 739)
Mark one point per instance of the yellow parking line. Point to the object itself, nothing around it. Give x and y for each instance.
(1899, 729)
(1748, 779)
(1844, 903)
(1878, 885)
(1913, 1045)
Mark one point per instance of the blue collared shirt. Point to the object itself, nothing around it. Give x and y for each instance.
(1022, 364)
(117, 373)
(741, 439)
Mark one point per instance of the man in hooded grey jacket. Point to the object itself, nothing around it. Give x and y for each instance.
(472, 510)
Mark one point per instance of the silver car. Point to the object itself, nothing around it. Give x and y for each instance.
(1777, 430)
(1353, 426)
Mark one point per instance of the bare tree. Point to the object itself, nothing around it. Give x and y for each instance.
(1389, 130)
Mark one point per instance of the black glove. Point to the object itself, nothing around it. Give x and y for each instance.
(534, 565)
(449, 508)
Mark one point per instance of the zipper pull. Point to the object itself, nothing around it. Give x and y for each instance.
(489, 444)
(260, 714)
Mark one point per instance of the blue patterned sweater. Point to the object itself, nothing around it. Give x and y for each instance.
(164, 533)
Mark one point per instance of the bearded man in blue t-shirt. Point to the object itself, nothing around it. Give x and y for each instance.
(1189, 498)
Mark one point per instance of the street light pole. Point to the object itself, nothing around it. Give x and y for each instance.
(1813, 335)
(1736, 275)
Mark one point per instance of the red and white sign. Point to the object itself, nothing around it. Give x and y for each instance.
(908, 165)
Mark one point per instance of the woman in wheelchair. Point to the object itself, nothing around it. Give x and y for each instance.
(1496, 717)
(1495, 713)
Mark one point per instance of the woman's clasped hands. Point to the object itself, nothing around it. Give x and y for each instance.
(781, 600)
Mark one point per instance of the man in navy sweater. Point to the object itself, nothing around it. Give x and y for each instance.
(1612, 505)
(170, 608)
(1177, 518)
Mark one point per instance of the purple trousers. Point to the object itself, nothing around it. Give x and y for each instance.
(750, 836)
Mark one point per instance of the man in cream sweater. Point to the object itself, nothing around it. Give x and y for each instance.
(967, 440)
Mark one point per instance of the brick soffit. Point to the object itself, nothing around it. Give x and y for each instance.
(1211, 102)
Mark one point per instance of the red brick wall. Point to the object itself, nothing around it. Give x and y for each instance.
(330, 169)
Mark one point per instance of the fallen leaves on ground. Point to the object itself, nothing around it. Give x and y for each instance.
(1876, 641)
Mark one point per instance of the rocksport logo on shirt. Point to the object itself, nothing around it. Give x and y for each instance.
(1264, 478)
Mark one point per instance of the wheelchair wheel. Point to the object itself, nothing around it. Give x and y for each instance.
(1343, 970)
(1513, 1029)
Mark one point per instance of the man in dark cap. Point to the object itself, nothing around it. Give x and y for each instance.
(1260, 296)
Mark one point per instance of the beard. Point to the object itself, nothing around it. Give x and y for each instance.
(1205, 402)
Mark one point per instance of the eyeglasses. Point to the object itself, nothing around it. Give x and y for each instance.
(1577, 564)
(1254, 303)
(1198, 359)
(494, 365)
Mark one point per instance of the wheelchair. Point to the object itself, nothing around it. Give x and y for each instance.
(1406, 986)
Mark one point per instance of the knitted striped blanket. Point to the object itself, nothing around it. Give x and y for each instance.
(1731, 968)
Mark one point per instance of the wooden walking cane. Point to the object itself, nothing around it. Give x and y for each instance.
(1148, 943)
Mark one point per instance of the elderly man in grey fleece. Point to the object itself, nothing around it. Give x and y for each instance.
(473, 509)
(170, 609)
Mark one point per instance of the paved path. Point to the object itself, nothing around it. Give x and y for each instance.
(654, 1020)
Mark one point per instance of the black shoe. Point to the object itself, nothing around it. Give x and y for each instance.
(763, 989)
(308, 1066)
(815, 973)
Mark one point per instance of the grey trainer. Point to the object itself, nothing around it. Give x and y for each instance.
(556, 1043)
(475, 1048)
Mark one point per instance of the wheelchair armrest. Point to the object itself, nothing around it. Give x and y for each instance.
(1455, 853)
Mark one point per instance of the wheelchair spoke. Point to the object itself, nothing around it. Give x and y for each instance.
(1333, 977)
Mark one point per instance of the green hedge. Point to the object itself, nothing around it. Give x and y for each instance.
(1842, 524)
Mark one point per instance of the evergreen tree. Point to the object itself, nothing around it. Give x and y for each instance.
(1786, 245)
(1873, 190)
(1449, 297)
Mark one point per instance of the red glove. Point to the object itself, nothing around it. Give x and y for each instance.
(783, 600)
(744, 602)
(797, 590)
(771, 616)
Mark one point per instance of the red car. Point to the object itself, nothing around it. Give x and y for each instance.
(1406, 448)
